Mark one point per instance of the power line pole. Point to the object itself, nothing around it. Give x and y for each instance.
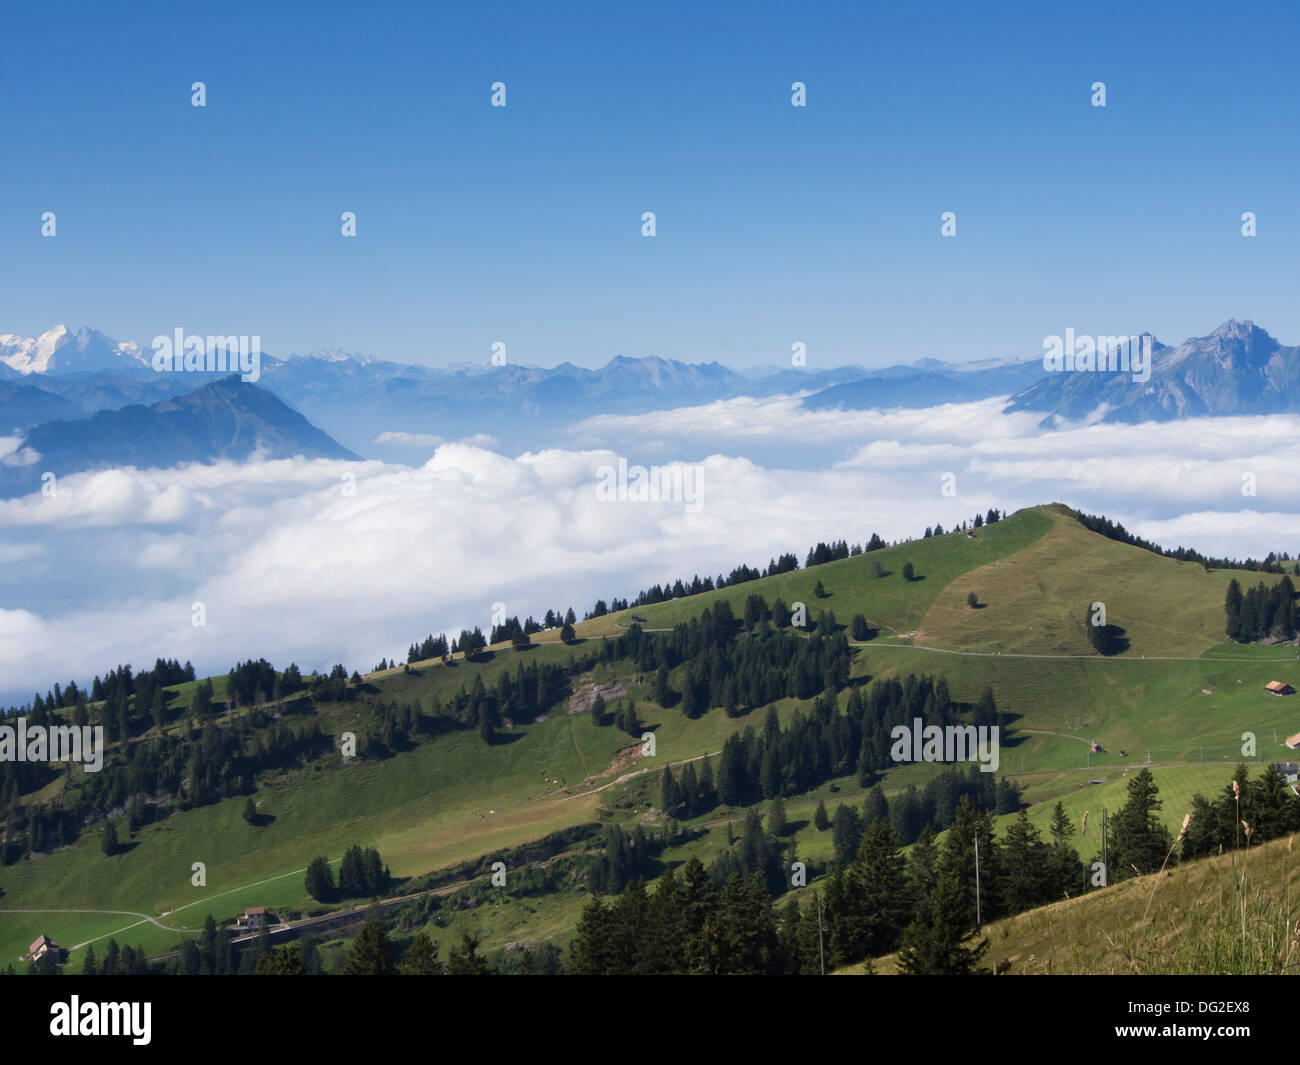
(821, 948)
(977, 879)
(1105, 857)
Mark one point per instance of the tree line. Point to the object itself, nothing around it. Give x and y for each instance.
(1263, 611)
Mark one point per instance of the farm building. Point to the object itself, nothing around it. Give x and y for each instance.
(1294, 742)
(45, 945)
(1277, 687)
(253, 919)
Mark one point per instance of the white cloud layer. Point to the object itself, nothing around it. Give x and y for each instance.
(327, 561)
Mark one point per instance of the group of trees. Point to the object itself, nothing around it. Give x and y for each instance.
(818, 554)
(517, 697)
(1251, 812)
(1105, 639)
(1273, 563)
(923, 905)
(191, 769)
(910, 813)
(875, 900)
(1262, 612)
(828, 742)
(978, 522)
(373, 954)
(362, 875)
(430, 647)
(622, 858)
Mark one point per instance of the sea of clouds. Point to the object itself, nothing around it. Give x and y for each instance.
(321, 561)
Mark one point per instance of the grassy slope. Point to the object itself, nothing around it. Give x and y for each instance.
(1036, 601)
(1036, 571)
(1189, 920)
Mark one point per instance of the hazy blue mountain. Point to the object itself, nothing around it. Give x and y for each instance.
(523, 407)
(1237, 369)
(377, 408)
(24, 405)
(928, 382)
(115, 389)
(226, 419)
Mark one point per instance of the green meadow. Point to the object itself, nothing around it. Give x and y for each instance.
(1179, 697)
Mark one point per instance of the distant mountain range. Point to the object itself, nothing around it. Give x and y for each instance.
(58, 351)
(1237, 369)
(394, 411)
(226, 419)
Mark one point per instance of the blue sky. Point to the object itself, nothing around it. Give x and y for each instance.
(775, 224)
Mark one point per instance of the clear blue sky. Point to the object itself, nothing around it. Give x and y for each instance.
(775, 224)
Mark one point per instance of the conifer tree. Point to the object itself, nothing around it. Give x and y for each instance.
(465, 959)
(936, 945)
(371, 954)
(1138, 838)
(421, 958)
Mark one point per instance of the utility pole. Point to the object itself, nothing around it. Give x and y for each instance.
(977, 879)
(1105, 857)
(821, 948)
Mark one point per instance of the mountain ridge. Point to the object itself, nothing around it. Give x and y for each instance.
(225, 419)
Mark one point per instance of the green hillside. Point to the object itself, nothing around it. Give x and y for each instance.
(1179, 696)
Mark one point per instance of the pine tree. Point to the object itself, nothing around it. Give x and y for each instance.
(707, 794)
(777, 824)
(663, 694)
(936, 945)
(846, 831)
(465, 960)
(320, 880)
(1232, 609)
(371, 954)
(958, 860)
(421, 958)
(287, 961)
(1067, 871)
(878, 899)
(875, 807)
(668, 794)
(587, 952)
(352, 877)
(310, 955)
(631, 723)
(923, 864)
(821, 819)
(789, 937)
(1025, 867)
(1138, 838)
